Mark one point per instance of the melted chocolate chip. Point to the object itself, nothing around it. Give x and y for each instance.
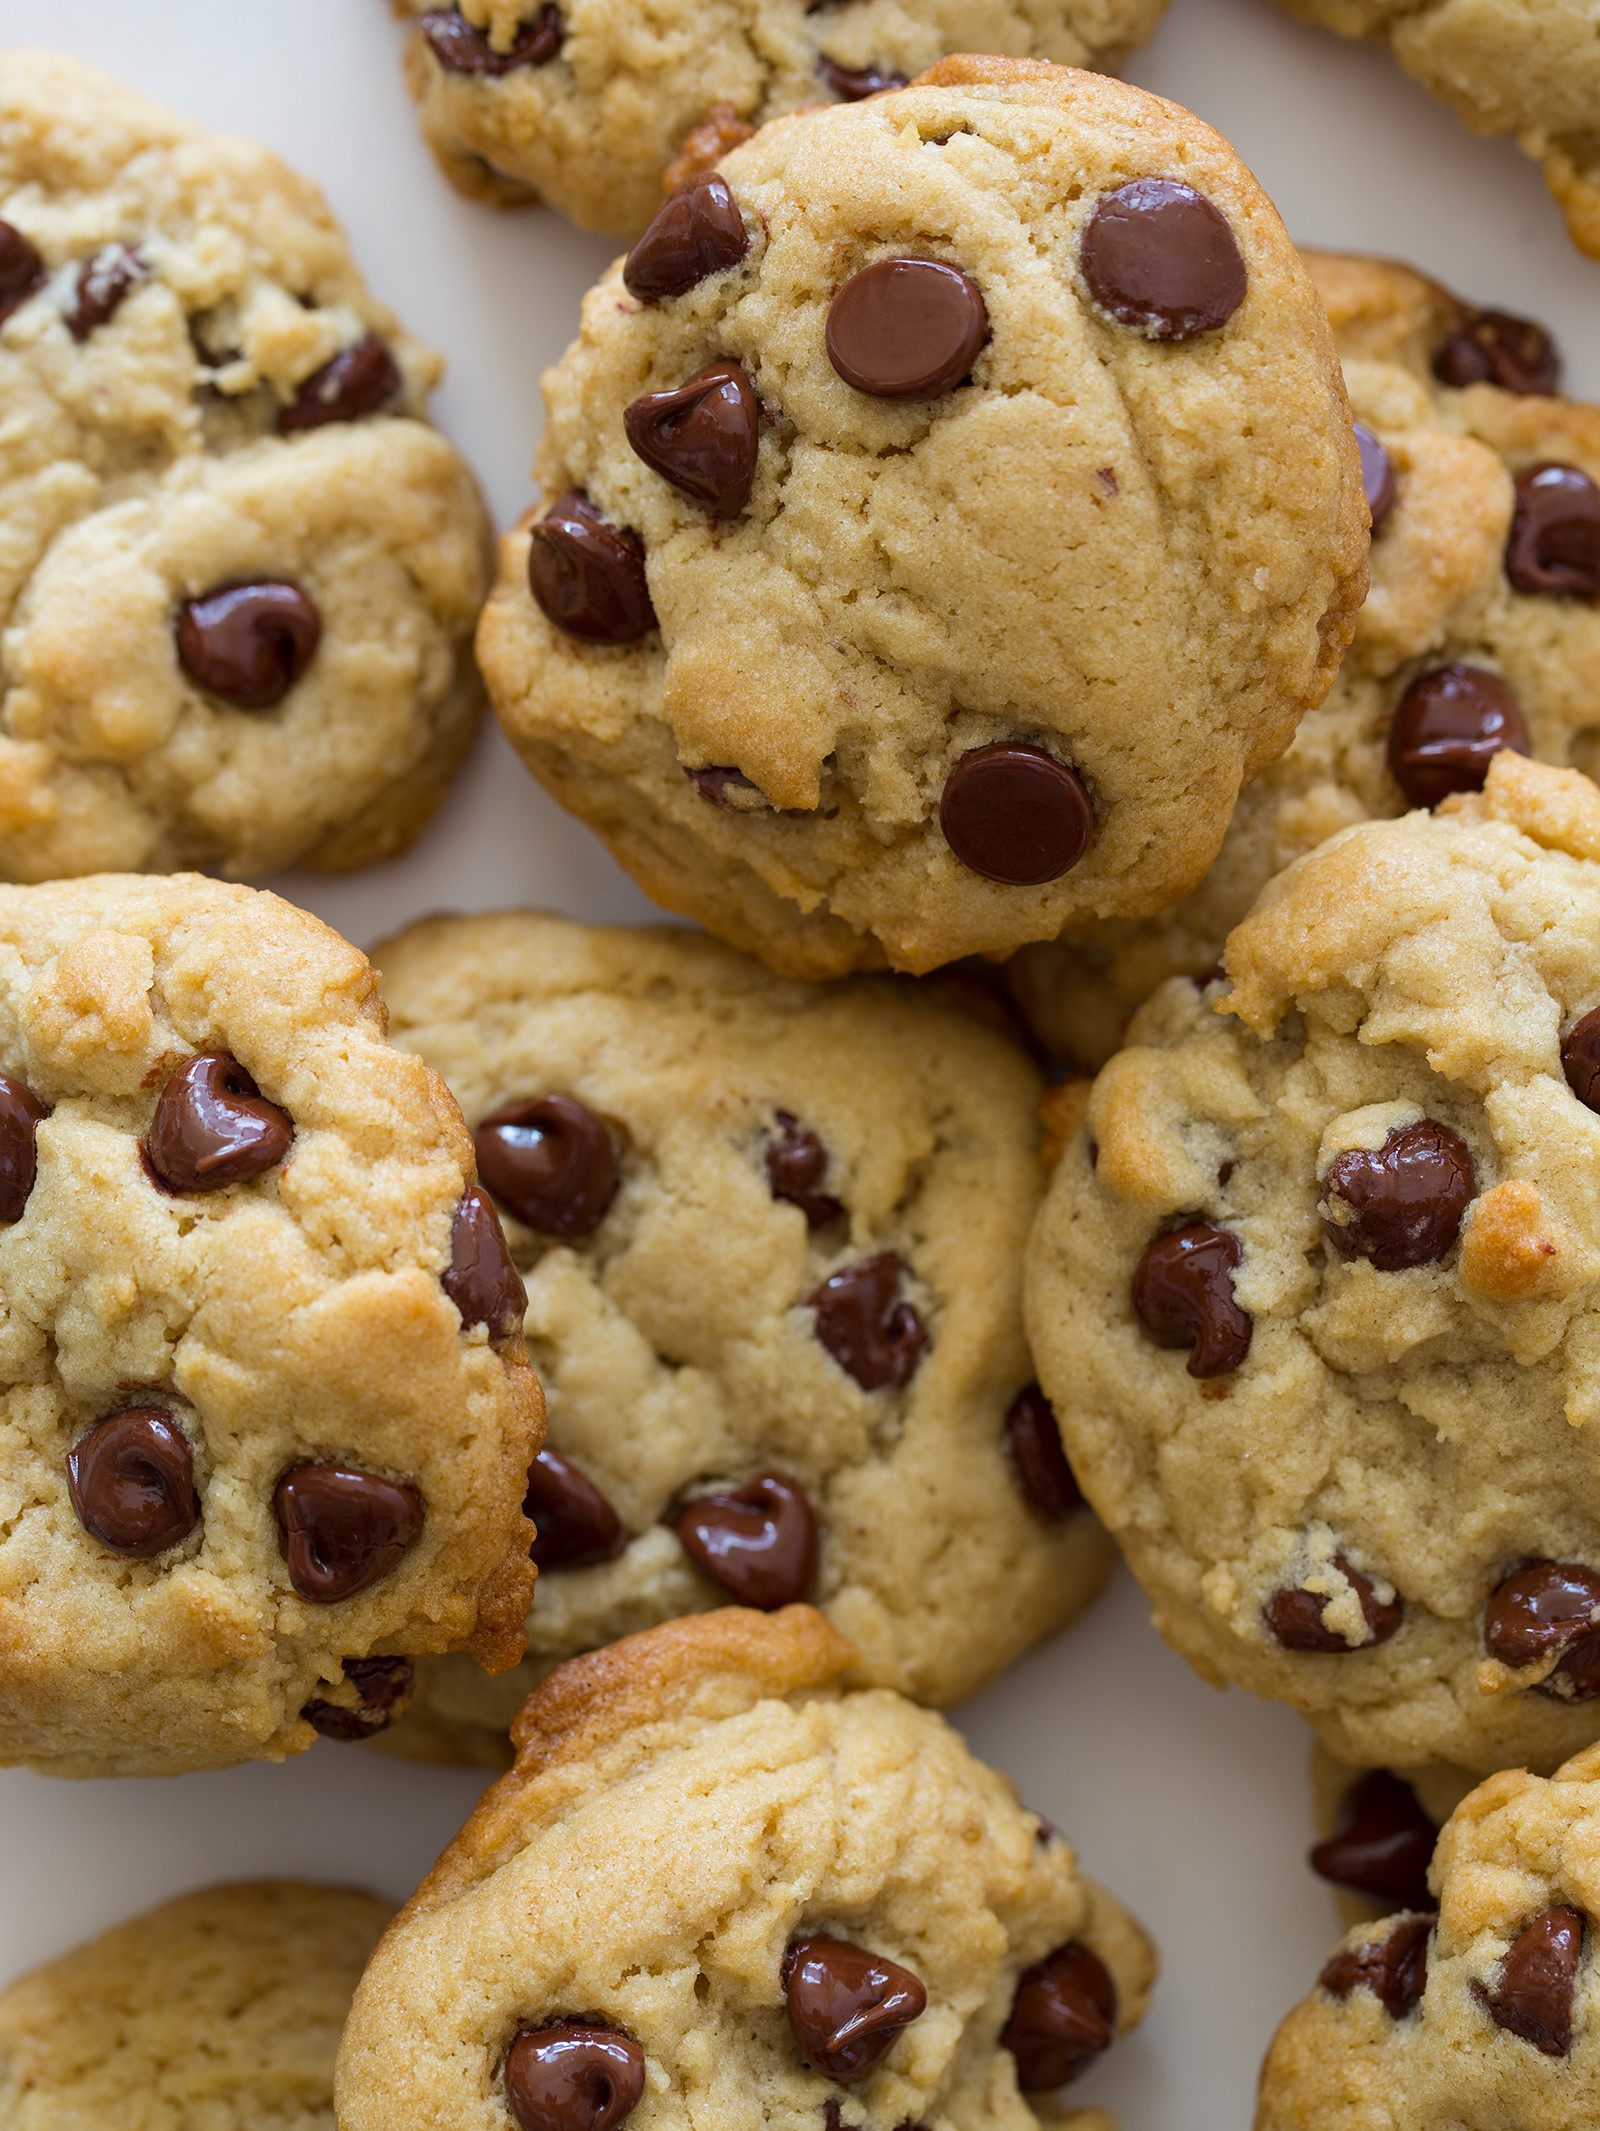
(1382, 1843)
(1183, 1296)
(342, 1531)
(589, 577)
(1545, 1606)
(20, 1115)
(131, 1479)
(796, 1165)
(1580, 1059)
(846, 2006)
(360, 380)
(1554, 546)
(1160, 258)
(852, 85)
(383, 1688)
(906, 329)
(697, 233)
(1446, 730)
(21, 270)
(1494, 348)
(577, 1526)
(481, 1280)
(702, 437)
(1016, 814)
(573, 2077)
(1393, 1968)
(462, 49)
(758, 1541)
(1531, 1995)
(1377, 475)
(1296, 1617)
(1034, 1442)
(248, 643)
(1063, 2016)
(1403, 1205)
(550, 1162)
(870, 1333)
(213, 1127)
(101, 284)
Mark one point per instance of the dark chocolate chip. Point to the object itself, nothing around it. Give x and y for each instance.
(1377, 475)
(702, 437)
(131, 1479)
(550, 1162)
(481, 1280)
(1494, 348)
(846, 2006)
(1382, 1843)
(589, 577)
(1063, 2016)
(577, 1526)
(1183, 1296)
(248, 643)
(21, 270)
(360, 380)
(697, 233)
(1532, 1991)
(101, 284)
(1394, 1968)
(462, 49)
(1554, 546)
(1403, 1205)
(852, 85)
(1295, 1616)
(796, 1165)
(723, 788)
(383, 1688)
(1580, 1059)
(758, 1541)
(213, 1127)
(1016, 814)
(20, 1115)
(870, 1333)
(906, 329)
(1545, 1606)
(572, 2077)
(1034, 1442)
(1161, 258)
(341, 1531)
(1446, 730)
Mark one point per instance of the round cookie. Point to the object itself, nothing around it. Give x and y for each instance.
(867, 672)
(241, 572)
(265, 1412)
(1462, 407)
(1361, 1188)
(767, 1230)
(738, 1894)
(219, 2011)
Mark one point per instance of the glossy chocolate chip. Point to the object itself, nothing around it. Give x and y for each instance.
(1295, 1616)
(797, 1163)
(572, 2077)
(1547, 1606)
(213, 1127)
(906, 329)
(846, 2006)
(248, 643)
(589, 577)
(1160, 258)
(461, 48)
(1580, 1059)
(342, 1531)
(100, 286)
(1183, 1296)
(1382, 1843)
(1394, 1968)
(21, 270)
(131, 1479)
(1377, 475)
(1531, 1994)
(1063, 2016)
(481, 1280)
(1016, 814)
(1402, 1205)
(852, 85)
(383, 1688)
(21, 1114)
(360, 380)
(550, 1162)
(697, 233)
(758, 1541)
(1446, 730)
(577, 1526)
(702, 437)
(870, 1333)
(1494, 348)
(1034, 1442)
(1554, 545)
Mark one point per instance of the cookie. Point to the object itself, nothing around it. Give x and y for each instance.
(219, 2011)
(1359, 1187)
(241, 571)
(265, 1411)
(716, 1888)
(1481, 477)
(598, 106)
(896, 475)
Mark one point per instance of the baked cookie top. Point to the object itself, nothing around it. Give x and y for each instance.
(894, 477)
(733, 1890)
(265, 1416)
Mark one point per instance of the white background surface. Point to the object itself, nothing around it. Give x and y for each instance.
(1192, 1805)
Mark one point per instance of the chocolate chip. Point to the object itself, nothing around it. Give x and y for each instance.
(550, 1162)
(213, 1127)
(383, 1688)
(101, 284)
(701, 437)
(906, 329)
(588, 577)
(1377, 475)
(796, 1165)
(758, 1541)
(20, 1115)
(1532, 1991)
(481, 1280)
(1546, 1606)
(1034, 1442)
(852, 85)
(131, 1479)
(697, 233)
(1494, 348)
(1063, 2016)
(248, 643)
(1554, 547)
(870, 1333)
(1446, 730)
(1016, 814)
(1296, 1616)
(1160, 258)
(1393, 1968)
(1403, 1205)
(1382, 1843)
(341, 1531)
(463, 49)
(572, 2077)
(1580, 1059)
(577, 1526)
(21, 270)
(1183, 1296)
(360, 380)
(724, 787)
(846, 2006)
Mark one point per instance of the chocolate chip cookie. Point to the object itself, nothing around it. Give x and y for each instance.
(717, 1888)
(265, 1409)
(1314, 1289)
(241, 572)
(221, 2008)
(1481, 630)
(947, 507)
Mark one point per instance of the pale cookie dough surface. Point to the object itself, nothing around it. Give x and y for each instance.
(1094, 524)
(140, 467)
(700, 1797)
(1434, 1426)
(219, 2011)
(294, 1317)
